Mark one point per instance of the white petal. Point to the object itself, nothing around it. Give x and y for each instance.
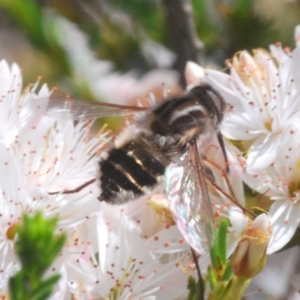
(262, 222)
(238, 220)
(283, 227)
(297, 35)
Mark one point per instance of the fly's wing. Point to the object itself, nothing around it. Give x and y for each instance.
(189, 200)
(72, 109)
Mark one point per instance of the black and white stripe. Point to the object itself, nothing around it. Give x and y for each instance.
(129, 172)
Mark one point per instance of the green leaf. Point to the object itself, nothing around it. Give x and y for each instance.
(16, 286)
(212, 279)
(45, 289)
(227, 272)
(214, 256)
(222, 241)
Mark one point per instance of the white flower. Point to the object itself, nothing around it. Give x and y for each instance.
(280, 183)
(263, 100)
(38, 156)
(263, 96)
(111, 260)
(43, 157)
(10, 91)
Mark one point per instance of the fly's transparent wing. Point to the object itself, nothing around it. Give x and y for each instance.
(72, 109)
(189, 200)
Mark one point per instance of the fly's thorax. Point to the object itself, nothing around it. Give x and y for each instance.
(179, 121)
(211, 100)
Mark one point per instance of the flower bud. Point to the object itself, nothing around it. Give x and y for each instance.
(249, 257)
(193, 74)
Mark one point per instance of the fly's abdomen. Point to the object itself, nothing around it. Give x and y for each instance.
(129, 171)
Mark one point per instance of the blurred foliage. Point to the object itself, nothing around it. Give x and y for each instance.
(37, 246)
(117, 31)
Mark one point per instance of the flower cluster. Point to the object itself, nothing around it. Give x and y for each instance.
(126, 252)
(262, 127)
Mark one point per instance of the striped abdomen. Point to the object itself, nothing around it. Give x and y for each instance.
(130, 171)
